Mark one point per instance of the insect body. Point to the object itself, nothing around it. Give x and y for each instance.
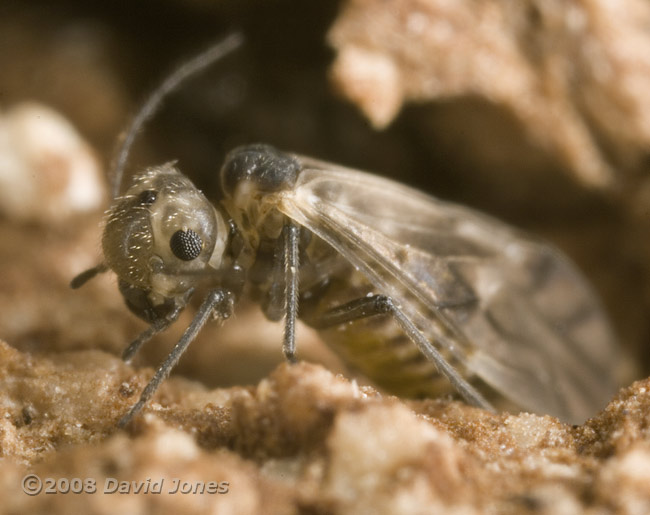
(421, 295)
(424, 289)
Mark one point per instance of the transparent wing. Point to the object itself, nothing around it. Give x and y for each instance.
(513, 310)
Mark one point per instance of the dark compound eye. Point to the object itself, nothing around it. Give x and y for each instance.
(186, 245)
(147, 197)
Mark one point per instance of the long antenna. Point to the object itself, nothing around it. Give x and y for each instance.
(151, 106)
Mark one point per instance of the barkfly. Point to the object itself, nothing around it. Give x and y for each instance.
(420, 295)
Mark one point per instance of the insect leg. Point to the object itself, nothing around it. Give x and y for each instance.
(218, 302)
(146, 335)
(382, 304)
(275, 305)
(291, 233)
(158, 325)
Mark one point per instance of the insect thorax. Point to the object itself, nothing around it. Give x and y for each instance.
(260, 167)
(252, 179)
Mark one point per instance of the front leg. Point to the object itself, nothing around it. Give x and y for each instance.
(219, 303)
(159, 324)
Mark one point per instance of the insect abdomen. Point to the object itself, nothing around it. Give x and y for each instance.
(376, 346)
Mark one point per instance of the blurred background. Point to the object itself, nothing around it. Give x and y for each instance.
(530, 111)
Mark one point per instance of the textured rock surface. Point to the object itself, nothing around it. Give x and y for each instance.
(302, 439)
(47, 173)
(571, 72)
